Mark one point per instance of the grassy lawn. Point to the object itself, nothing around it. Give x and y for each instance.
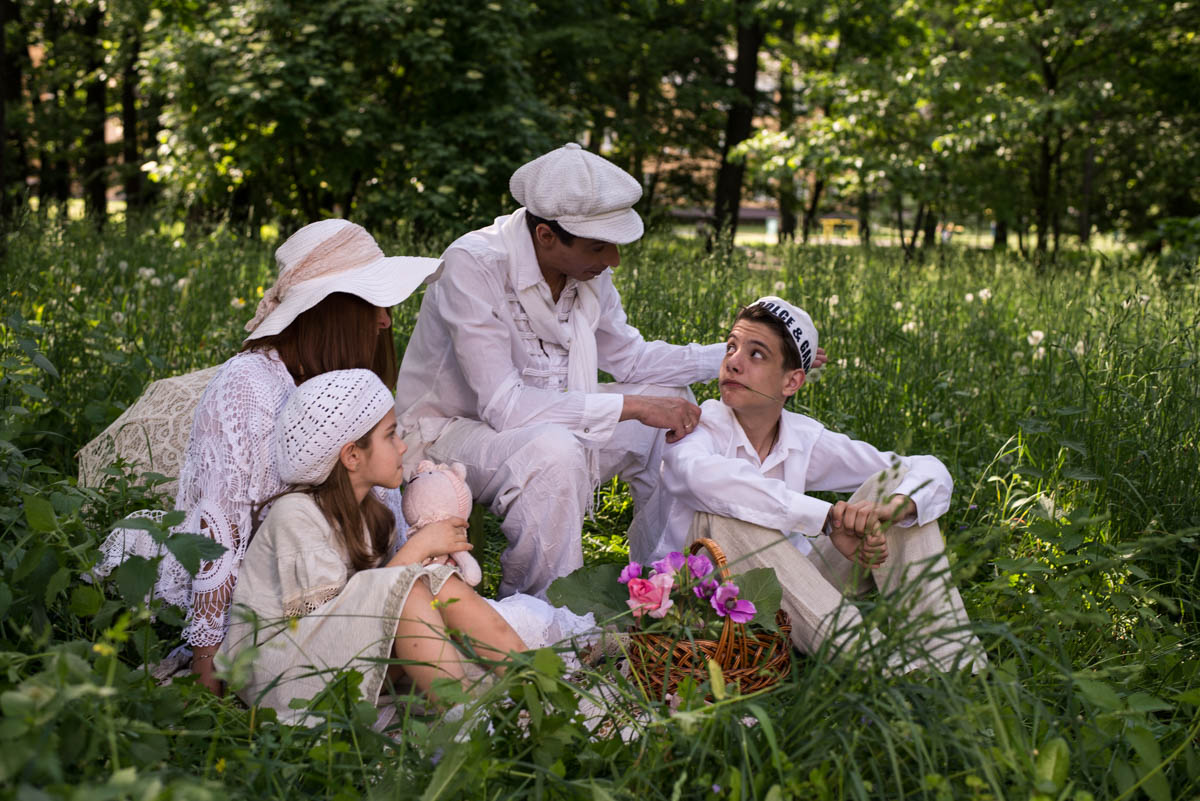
(1064, 402)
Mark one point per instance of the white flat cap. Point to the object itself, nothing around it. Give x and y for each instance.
(586, 194)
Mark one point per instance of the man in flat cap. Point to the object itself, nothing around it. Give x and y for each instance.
(501, 370)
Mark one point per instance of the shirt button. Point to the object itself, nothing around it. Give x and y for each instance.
(587, 430)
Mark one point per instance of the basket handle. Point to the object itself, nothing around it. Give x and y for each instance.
(732, 642)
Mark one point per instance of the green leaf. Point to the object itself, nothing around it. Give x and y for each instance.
(1053, 763)
(6, 597)
(57, 583)
(1099, 694)
(39, 514)
(85, 601)
(190, 549)
(1079, 474)
(591, 588)
(716, 680)
(44, 363)
(1189, 697)
(761, 587)
(135, 577)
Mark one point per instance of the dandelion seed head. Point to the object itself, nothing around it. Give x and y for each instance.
(969, 297)
(238, 303)
(985, 294)
(898, 305)
(780, 286)
(1035, 337)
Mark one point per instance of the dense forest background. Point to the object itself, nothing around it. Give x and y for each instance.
(1051, 120)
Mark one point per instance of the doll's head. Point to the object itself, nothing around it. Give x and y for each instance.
(438, 492)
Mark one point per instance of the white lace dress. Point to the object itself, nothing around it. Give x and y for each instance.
(229, 469)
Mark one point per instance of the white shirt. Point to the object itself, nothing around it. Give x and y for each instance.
(716, 469)
(473, 353)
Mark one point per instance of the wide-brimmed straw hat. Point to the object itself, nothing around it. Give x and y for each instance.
(334, 256)
(586, 194)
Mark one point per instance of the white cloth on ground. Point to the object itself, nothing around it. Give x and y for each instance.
(717, 470)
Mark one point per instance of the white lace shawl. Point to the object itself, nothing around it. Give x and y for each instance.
(230, 467)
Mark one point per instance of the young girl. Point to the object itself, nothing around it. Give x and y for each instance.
(320, 588)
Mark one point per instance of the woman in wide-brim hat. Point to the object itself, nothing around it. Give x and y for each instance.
(328, 310)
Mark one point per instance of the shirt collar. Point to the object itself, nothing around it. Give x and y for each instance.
(519, 244)
(788, 440)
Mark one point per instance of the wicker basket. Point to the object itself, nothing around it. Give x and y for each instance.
(753, 661)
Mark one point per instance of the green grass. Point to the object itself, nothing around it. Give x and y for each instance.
(1073, 533)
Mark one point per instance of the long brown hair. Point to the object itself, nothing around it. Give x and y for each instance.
(339, 333)
(335, 497)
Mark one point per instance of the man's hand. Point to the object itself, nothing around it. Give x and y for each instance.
(868, 552)
(856, 532)
(677, 415)
(819, 359)
(897, 508)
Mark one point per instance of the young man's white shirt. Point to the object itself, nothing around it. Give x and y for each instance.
(474, 355)
(715, 469)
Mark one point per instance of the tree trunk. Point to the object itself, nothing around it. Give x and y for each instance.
(787, 118)
(11, 85)
(1000, 235)
(740, 121)
(918, 224)
(1085, 202)
(810, 211)
(864, 217)
(929, 230)
(131, 152)
(95, 161)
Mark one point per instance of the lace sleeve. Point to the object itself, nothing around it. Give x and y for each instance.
(230, 467)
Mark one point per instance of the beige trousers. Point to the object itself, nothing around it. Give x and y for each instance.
(914, 581)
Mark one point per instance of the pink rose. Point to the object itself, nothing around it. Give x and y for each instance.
(651, 595)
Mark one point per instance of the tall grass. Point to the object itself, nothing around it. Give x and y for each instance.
(1073, 533)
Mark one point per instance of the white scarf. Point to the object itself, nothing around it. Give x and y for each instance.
(577, 334)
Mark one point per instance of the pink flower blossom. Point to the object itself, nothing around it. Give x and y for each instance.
(651, 595)
(700, 565)
(705, 589)
(669, 563)
(632, 570)
(726, 602)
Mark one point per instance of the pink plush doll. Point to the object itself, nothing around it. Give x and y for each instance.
(438, 492)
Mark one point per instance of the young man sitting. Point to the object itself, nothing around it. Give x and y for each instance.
(741, 479)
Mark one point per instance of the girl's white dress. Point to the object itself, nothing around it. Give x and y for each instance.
(302, 612)
(308, 613)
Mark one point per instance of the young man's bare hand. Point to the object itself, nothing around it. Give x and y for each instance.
(677, 415)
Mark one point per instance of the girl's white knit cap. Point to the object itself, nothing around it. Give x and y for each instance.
(322, 415)
(586, 194)
(799, 325)
(334, 256)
